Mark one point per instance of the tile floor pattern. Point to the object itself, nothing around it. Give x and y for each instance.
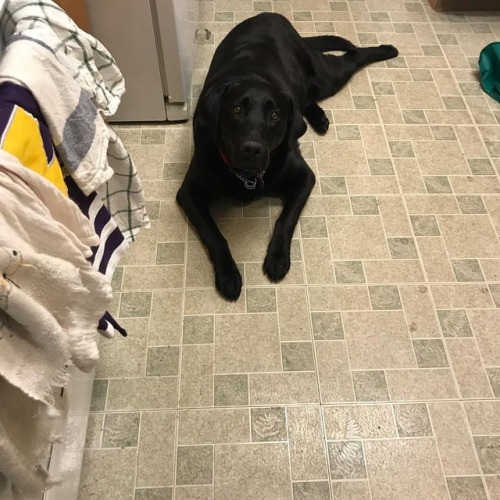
(373, 370)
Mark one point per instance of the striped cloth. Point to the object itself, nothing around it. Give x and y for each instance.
(77, 84)
(112, 245)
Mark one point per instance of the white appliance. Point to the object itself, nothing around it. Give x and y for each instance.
(3, 3)
(153, 43)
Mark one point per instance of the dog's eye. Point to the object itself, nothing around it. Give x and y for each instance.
(237, 110)
(275, 115)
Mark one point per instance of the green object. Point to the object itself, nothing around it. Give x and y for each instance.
(489, 66)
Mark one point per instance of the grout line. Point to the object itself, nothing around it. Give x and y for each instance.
(411, 368)
(179, 370)
(394, 419)
(213, 470)
(340, 440)
(280, 340)
(437, 450)
(298, 405)
(105, 409)
(213, 383)
(136, 468)
(289, 451)
(101, 431)
(366, 469)
(471, 441)
(324, 440)
(309, 312)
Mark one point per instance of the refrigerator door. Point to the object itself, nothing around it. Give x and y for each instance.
(176, 22)
(126, 28)
(3, 3)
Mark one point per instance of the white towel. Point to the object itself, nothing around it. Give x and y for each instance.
(26, 434)
(34, 350)
(53, 239)
(51, 213)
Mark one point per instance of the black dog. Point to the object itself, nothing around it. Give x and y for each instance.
(264, 78)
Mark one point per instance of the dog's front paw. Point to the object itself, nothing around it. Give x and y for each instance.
(276, 265)
(322, 125)
(228, 282)
(317, 118)
(390, 51)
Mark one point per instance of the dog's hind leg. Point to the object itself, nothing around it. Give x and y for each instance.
(362, 56)
(333, 72)
(328, 43)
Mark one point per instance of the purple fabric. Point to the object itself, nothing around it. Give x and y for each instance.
(113, 242)
(12, 95)
(108, 319)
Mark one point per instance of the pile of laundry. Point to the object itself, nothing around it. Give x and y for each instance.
(70, 203)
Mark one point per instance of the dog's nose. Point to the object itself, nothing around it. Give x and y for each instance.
(252, 149)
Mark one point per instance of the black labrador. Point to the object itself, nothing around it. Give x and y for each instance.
(263, 80)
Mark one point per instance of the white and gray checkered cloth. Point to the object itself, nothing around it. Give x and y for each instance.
(77, 85)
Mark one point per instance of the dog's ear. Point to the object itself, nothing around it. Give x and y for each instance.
(296, 125)
(206, 115)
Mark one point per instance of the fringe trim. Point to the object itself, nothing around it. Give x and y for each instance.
(60, 379)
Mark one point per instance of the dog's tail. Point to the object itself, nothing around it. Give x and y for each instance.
(327, 43)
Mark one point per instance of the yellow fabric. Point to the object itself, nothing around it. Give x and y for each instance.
(22, 139)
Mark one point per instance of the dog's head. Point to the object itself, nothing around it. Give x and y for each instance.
(248, 120)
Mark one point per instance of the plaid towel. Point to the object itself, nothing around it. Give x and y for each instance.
(92, 65)
(76, 83)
